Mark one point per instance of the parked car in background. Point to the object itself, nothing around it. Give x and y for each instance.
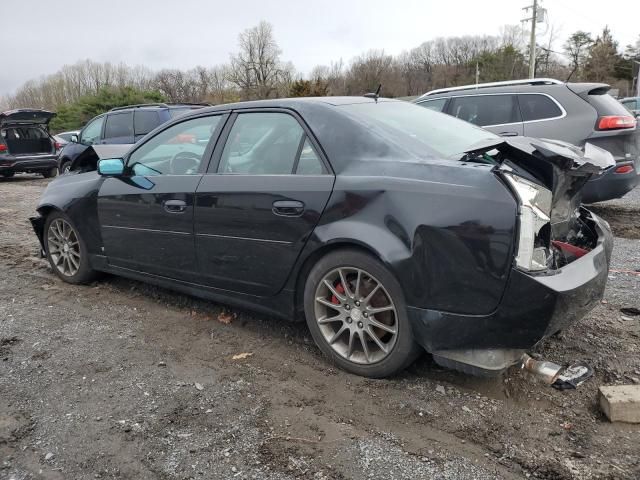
(632, 104)
(25, 143)
(121, 125)
(389, 227)
(65, 137)
(576, 113)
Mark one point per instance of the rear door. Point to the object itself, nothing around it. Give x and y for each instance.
(259, 202)
(146, 216)
(118, 128)
(497, 113)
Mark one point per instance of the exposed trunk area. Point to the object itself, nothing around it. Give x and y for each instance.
(27, 140)
(563, 169)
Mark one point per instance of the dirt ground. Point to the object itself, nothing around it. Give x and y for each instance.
(123, 380)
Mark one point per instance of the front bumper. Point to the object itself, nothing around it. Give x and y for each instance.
(610, 184)
(533, 307)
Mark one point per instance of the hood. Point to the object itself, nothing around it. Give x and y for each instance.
(88, 159)
(26, 116)
(561, 167)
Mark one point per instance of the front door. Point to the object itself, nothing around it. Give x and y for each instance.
(260, 203)
(146, 216)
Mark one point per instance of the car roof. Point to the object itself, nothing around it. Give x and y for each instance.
(170, 106)
(291, 103)
(507, 87)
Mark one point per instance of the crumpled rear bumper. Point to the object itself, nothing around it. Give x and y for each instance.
(532, 308)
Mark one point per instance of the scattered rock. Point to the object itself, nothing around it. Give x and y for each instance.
(162, 364)
(621, 403)
(440, 389)
(241, 356)
(199, 386)
(49, 456)
(225, 317)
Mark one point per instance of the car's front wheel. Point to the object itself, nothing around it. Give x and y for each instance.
(357, 315)
(65, 167)
(66, 250)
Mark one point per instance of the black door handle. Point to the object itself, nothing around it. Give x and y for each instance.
(288, 208)
(508, 134)
(174, 206)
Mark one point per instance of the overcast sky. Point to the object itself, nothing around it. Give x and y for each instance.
(39, 36)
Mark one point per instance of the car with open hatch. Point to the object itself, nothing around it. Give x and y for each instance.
(392, 229)
(25, 143)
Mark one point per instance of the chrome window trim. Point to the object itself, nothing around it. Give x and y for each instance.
(562, 115)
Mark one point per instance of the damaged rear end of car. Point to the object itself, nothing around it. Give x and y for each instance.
(562, 253)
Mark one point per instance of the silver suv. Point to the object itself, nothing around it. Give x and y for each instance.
(576, 113)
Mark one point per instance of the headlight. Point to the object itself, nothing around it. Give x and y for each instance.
(535, 226)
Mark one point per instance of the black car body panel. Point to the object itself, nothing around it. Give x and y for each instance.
(446, 229)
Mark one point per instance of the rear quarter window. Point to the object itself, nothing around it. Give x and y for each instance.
(538, 107)
(605, 104)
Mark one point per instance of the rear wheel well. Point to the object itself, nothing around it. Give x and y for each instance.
(311, 260)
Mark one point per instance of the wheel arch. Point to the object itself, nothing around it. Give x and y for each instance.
(314, 257)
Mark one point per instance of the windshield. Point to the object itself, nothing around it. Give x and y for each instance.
(420, 130)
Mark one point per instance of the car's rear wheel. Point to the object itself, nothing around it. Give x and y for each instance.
(357, 315)
(7, 174)
(66, 250)
(50, 173)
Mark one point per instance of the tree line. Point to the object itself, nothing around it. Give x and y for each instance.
(257, 70)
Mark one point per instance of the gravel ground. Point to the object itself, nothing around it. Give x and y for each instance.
(123, 380)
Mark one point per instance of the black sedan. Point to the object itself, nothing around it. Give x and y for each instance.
(389, 227)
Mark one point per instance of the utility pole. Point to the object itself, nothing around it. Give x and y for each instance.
(532, 44)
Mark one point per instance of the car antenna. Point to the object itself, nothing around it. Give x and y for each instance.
(375, 95)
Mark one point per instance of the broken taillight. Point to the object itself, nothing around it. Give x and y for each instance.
(3, 148)
(615, 122)
(58, 145)
(624, 169)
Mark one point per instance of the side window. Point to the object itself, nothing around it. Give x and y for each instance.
(262, 143)
(436, 104)
(485, 110)
(538, 107)
(309, 162)
(144, 121)
(92, 131)
(178, 150)
(119, 125)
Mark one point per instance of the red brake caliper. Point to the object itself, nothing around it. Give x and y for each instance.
(340, 289)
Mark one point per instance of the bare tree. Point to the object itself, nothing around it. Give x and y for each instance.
(256, 69)
(576, 48)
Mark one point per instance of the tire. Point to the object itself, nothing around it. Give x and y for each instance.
(329, 311)
(50, 173)
(59, 231)
(7, 175)
(64, 167)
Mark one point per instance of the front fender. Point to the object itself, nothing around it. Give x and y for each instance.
(76, 196)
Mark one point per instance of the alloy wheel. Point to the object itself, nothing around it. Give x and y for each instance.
(63, 246)
(356, 315)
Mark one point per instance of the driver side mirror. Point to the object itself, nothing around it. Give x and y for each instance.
(111, 167)
(74, 138)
